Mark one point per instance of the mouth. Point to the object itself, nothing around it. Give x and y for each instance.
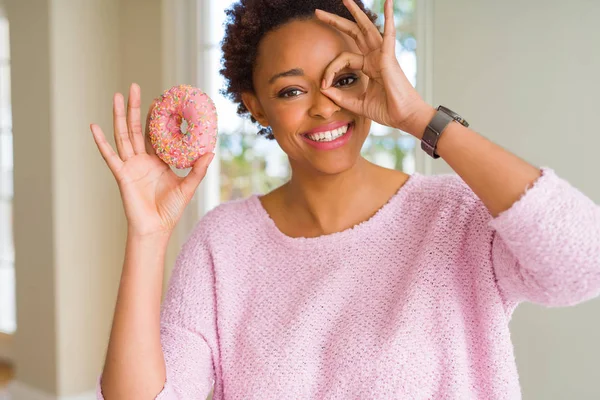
(328, 136)
(330, 140)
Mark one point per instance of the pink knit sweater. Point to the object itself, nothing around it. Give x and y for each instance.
(413, 303)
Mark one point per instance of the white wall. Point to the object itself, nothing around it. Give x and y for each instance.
(525, 75)
(34, 345)
(88, 217)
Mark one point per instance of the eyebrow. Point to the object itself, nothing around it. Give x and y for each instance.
(291, 72)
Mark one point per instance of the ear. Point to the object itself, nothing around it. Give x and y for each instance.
(253, 105)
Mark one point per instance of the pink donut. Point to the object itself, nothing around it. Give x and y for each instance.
(183, 126)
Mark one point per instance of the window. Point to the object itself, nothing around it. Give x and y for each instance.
(7, 253)
(252, 164)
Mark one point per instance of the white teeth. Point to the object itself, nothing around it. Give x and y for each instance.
(329, 135)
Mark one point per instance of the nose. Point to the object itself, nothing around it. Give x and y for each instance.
(323, 106)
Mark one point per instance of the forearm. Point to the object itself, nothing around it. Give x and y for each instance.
(553, 266)
(135, 366)
(496, 176)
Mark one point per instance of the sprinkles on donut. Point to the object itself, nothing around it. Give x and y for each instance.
(183, 126)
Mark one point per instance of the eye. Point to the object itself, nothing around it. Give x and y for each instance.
(347, 80)
(289, 93)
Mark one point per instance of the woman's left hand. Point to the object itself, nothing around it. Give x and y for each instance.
(390, 99)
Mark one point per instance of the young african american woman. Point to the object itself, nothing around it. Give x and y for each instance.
(350, 281)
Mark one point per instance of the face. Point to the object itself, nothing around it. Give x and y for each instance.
(317, 135)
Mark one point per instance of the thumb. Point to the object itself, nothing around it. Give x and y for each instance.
(343, 100)
(194, 177)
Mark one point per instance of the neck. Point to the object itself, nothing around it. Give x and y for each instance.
(330, 203)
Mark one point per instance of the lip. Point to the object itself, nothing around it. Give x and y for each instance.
(328, 127)
(334, 144)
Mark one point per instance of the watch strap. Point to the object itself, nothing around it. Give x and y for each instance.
(433, 131)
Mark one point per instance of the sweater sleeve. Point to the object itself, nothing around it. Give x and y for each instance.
(187, 326)
(546, 248)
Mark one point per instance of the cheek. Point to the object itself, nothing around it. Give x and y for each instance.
(287, 118)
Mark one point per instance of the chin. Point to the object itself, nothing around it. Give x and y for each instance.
(335, 165)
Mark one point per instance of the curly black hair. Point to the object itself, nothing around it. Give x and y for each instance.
(247, 23)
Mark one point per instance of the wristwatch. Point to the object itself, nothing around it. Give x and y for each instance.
(436, 126)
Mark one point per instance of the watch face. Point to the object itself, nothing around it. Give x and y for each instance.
(454, 115)
(449, 112)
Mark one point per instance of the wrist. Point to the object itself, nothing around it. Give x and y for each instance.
(145, 253)
(418, 121)
(158, 237)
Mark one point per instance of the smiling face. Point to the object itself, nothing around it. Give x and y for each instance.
(315, 133)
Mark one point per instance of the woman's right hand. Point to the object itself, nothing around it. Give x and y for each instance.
(154, 197)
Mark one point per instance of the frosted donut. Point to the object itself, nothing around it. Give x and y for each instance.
(183, 126)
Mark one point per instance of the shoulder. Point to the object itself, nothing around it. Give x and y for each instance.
(225, 219)
(448, 197)
(446, 186)
(451, 216)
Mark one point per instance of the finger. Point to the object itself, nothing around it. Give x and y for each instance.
(112, 159)
(120, 127)
(345, 25)
(350, 103)
(134, 119)
(389, 30)
(368, 28)
(195, 176)
(344, 60)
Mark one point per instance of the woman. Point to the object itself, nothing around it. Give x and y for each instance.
(351, 280)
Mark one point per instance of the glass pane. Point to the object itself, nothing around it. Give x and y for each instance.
(5, 109)
(6, 235)
(229, 121)
(4, 40)
(250, 164)
(6, 184)
(396, 150)
(7, 298)
(404, 12)
(6, 165)
(7, 273)
(6, 150)
(217, 19)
